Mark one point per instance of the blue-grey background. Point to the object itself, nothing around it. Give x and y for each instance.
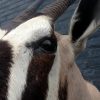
(88, 61)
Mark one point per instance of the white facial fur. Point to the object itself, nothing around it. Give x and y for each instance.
(18, 74)
(30, 31)
(53, 79)
(27, 32)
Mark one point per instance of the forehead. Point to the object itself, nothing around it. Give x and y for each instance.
(40, 26)
(32, 30)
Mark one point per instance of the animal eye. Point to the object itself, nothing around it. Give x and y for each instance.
(48, 46)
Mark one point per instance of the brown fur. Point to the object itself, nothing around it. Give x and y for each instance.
(6, 56)
(70, 76)
(37, 79)
(77, 87)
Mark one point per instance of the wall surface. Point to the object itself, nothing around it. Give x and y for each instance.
(88, 61)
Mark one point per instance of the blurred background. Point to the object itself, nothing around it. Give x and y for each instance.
(88, 60)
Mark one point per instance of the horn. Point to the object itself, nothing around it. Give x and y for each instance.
(57, 8)
(23, 16)
(29, 12)
(52, 10)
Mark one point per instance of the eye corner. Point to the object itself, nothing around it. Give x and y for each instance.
(49, 45)
(45, 44)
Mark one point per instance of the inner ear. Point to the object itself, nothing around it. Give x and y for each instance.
(82, 18)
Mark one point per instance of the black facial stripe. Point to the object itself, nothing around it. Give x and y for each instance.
(37, 78)
(5, 64)
(85, 16)
(35, 45)
(62, 93)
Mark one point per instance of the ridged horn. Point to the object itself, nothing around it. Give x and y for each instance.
(29, 12)
(57, 8)
(24, 16)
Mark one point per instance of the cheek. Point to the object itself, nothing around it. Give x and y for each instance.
(37, 78)
(40, 66)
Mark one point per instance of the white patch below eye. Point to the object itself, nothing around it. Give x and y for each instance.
(53, 80)
(18, 74)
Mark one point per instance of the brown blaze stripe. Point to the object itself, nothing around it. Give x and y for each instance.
(5, 64)
(62, 93)
(37, 78)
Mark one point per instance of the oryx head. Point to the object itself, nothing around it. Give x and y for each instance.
(33, 55)
(28, 54)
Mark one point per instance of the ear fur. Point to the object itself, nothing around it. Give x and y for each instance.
(85, 20)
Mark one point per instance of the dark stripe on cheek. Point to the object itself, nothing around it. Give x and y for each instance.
(5, 64)
(62, 93)
(37, 79)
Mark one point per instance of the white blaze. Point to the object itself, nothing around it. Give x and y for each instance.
(18, 74)
(27, 32)
(53, 81)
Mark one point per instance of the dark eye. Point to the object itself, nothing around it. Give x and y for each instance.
(48, 46)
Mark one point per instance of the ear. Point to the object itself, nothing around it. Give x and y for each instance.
(85, 20)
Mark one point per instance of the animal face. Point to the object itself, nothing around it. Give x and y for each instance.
(32, 56)
(33, 47)
(32, 64)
